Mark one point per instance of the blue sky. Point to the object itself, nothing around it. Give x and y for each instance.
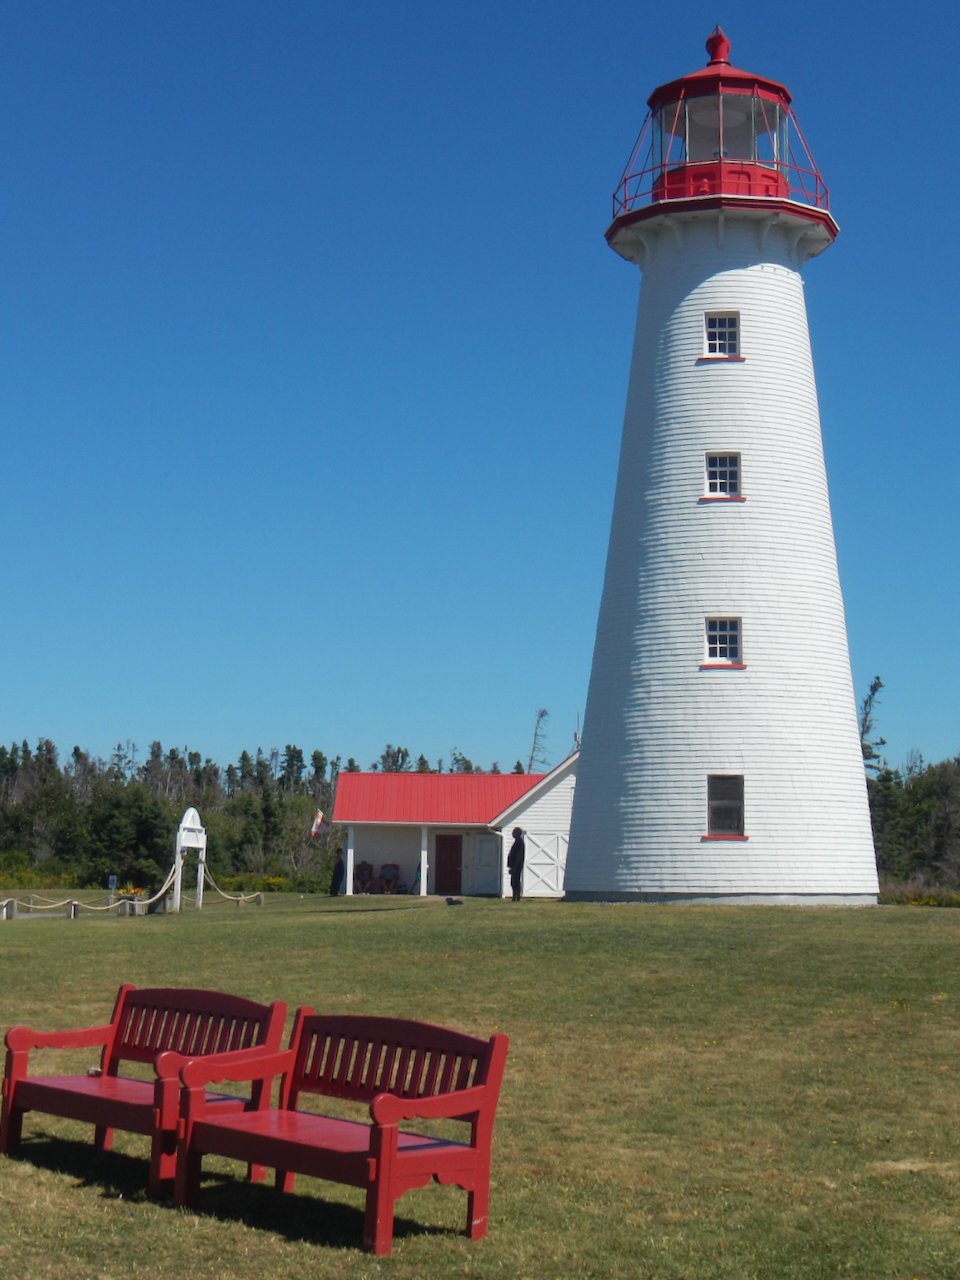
(313, 360)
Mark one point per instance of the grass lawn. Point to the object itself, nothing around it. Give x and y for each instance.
(691, 1092)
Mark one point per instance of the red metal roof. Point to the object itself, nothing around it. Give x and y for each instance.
(435, 799)
(717, 74)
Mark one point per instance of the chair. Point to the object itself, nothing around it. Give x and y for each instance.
(390, 879)
(363, 877)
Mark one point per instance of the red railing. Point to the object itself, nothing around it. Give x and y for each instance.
(647, 180)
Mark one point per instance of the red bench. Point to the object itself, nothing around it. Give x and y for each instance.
(160, 1027)
(402, 1070)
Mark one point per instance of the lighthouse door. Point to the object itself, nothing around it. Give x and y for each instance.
(449, 862)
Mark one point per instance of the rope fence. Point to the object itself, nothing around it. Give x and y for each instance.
(34, 904)
(238, 898)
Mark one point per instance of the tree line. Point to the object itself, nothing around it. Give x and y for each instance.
(914, 811)
(83, 819)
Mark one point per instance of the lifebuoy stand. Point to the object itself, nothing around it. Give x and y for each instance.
(190, 835)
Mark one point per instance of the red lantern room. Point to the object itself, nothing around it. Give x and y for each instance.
(721, 137)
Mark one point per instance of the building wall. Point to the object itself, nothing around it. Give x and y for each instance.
(545, 821)
(480, 865)
(656, 724)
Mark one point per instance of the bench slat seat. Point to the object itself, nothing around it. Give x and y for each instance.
(402, 1070)
(86, 1098)
(162, 1027)
(324, 1146)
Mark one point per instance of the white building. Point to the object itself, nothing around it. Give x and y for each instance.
(449, 833)
(543, 815)
(720, 756)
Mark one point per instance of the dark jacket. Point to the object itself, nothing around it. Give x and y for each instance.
(336, 880)
(515, 857)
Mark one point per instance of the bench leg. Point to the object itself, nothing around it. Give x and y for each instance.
(163, 1162)
(478, 1201)
(186, 1183)
(284, 1180)
(102, 1138)
(256, 1172)
(378, 1219)
(11, 1127)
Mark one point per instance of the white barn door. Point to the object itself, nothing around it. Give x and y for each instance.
(545, 864)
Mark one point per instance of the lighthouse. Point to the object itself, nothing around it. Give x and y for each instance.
(720, 756)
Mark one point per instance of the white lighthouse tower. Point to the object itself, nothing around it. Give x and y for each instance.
(720, 756)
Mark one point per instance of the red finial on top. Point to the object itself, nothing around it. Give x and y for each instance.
(718, 47)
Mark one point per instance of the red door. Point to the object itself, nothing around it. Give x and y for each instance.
(449, 858)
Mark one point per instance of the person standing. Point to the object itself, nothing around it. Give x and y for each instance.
(515, 860)
(336, 880)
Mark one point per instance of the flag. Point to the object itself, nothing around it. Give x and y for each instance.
(319, 824)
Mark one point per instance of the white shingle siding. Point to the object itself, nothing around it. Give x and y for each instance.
(655, 724)
(550, 810)
(544, 817)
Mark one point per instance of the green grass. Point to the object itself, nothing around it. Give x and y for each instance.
(691, 1092)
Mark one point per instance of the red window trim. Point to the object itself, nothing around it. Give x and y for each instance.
(723, 666)
(721, 359)
(722, 497)
(736, 839)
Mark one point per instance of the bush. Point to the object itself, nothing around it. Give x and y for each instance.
(895, 893)
(250, 882)
(31, 879)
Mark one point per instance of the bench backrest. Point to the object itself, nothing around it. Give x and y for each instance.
(356, 1057)
(149, 1021)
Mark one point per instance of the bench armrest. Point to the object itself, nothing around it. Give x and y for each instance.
(23, 1039)
(387, 1108)
(169, 1065)
(239, 1064)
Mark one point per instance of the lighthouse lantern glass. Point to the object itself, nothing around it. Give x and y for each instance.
(722, 126)
(669, 132)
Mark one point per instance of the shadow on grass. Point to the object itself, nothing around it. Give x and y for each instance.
(372, 909)
(293, 1216)
(119, 1176)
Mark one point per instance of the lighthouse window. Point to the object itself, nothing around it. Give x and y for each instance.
(723, 639)
(722, 333)
(723, 475)
(725, 804)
